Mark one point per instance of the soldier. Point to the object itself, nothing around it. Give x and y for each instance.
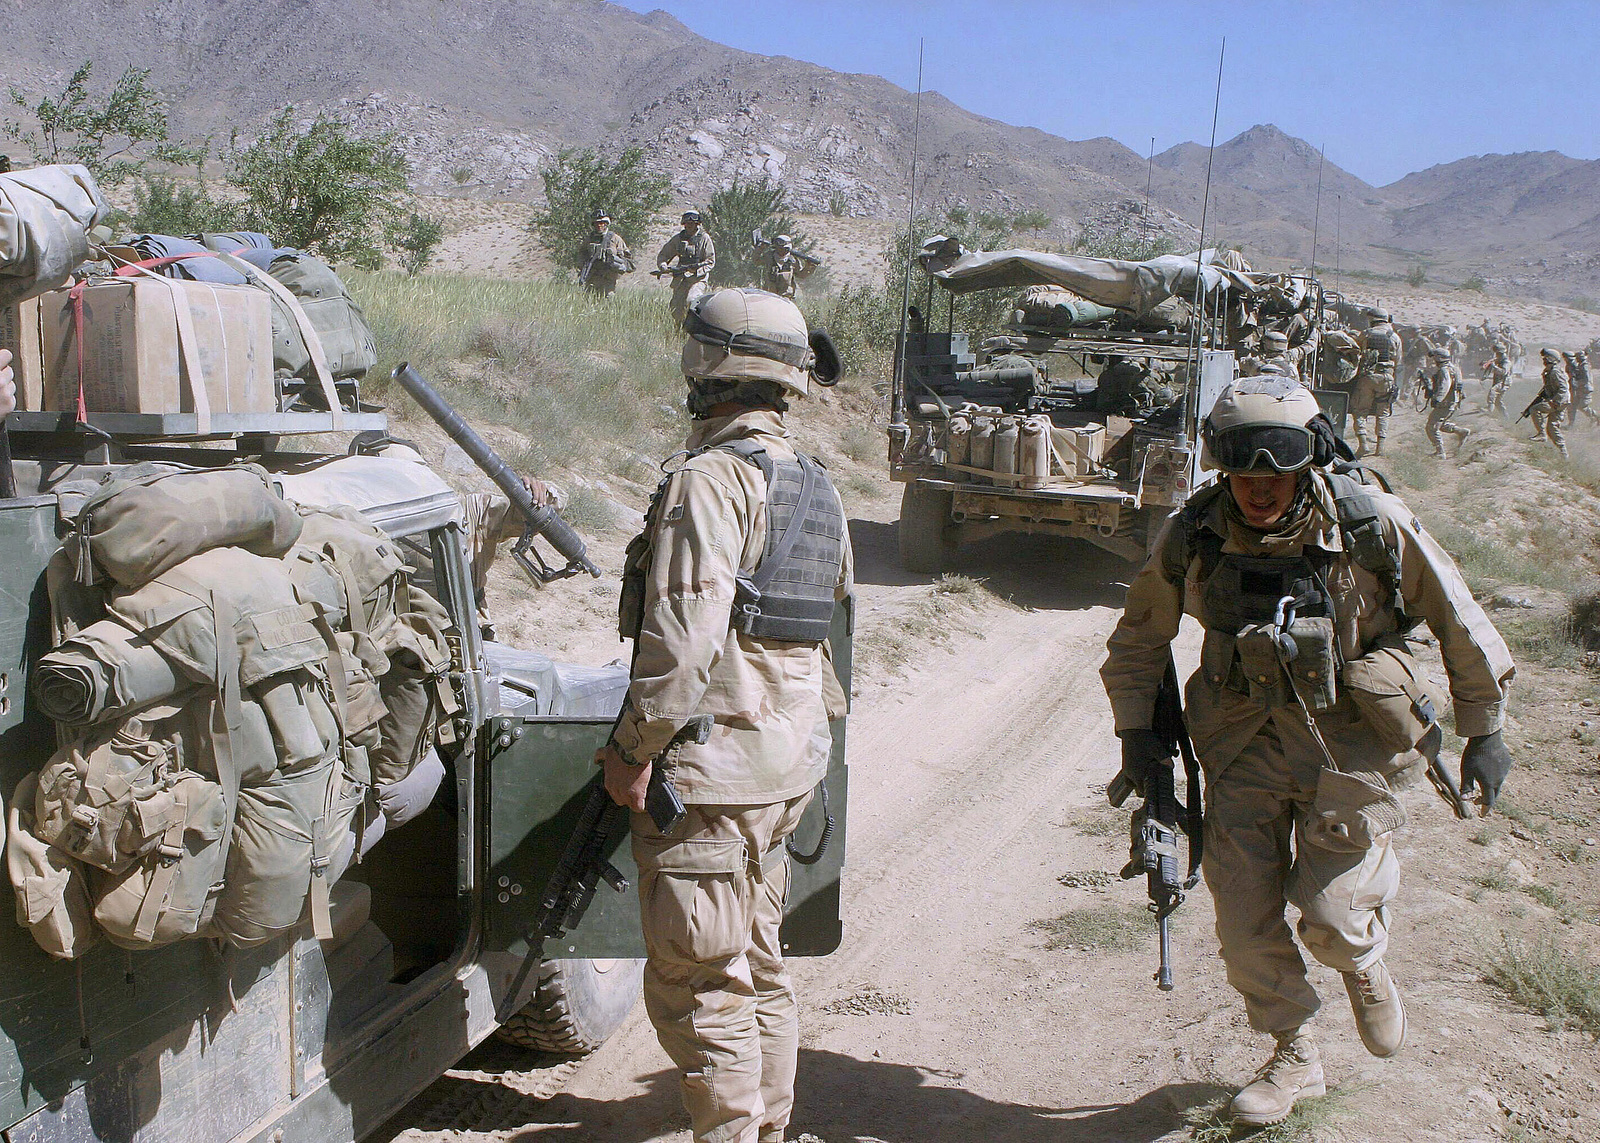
(1582, 386)
(606, 258)
(1497, 376)
(1275, 357)
(712, 891)
(783, 268)
(688, 258)
(1299, 803)
(1443, 381)
(1555, 394)
(8, 386)
(1376, 384)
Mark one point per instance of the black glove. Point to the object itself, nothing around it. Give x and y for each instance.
(1485, 763)
(1141, 749)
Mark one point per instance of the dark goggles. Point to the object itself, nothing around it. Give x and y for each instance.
(1281, 448)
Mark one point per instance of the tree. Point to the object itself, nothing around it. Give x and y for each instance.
(163, 205)
(116, 137)
(321, 188)
(579, 182)
(737, 212)
(416, 239)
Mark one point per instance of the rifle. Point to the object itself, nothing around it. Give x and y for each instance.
(678, 270)
(537, 520)
(585, 861)
(1531, 405)
(1153, 848)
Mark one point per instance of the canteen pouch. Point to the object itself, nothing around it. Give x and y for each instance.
(1394, 697)
(169, 893)
(1352, 811)
(49, 888)
(1314, 665)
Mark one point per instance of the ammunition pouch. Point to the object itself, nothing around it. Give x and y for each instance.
(1258, 656)
(50, 890)
(1395, 699)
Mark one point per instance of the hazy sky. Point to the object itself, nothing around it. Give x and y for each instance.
(1387, 88)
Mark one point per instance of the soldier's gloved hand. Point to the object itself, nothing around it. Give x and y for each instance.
(1141, 749)
(1485, 763)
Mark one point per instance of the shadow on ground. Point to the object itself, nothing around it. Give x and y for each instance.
(842, 1100)
(1041, 572)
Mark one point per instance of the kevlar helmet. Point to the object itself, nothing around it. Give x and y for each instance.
(1275, 340)
(1266, 424)
(751, 335)
(691, 216)
(601, 216)
(1550, 353)
(1440, 352)
(1377, 316)
(783, 242)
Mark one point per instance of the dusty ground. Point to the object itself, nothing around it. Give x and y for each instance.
(994, 983)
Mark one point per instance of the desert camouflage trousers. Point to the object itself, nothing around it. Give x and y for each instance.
(1546, 416)
(1439, 422)
(684, 294)
(711, 897)
(1373, 397)
(1258, 860)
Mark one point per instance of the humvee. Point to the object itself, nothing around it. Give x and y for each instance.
(1105, 472)
(323, 1041)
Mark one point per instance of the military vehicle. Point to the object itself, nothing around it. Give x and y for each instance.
(324, 1040)
(1081, 419)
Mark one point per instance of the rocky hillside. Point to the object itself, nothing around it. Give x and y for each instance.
(481, 92)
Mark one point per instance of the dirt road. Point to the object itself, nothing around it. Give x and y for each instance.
(995, 979)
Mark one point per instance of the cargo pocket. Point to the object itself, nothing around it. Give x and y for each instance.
(52, 896)
(694, 897)
(1377, 882)
(1393, 695)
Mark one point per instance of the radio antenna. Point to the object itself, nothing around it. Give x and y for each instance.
(1316, 217)
(897, 411)
(1199, 314)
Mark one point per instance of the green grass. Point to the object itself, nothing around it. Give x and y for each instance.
(1546, 639)
(1210, 1122)
(1487, 560)
(1112, 927)
(582, 379)
(862, 443)
(1543, 977)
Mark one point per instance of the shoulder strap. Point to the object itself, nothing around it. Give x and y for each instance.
(761, 578)
(1191, 540)
(1361, 526)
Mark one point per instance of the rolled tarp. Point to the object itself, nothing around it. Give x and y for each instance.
(45, 217)
(103, 672)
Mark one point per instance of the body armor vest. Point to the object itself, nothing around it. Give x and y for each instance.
(1383, 346)
(789, 596)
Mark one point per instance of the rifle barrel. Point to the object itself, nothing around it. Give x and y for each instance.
(1164, 973)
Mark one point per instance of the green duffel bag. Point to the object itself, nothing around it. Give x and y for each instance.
(347, 341)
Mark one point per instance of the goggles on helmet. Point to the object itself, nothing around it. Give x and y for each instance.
(1282, 448)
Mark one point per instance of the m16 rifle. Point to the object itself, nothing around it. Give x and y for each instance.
(1533, 404)
(679, 270)
(538, 520)
(1154, 830)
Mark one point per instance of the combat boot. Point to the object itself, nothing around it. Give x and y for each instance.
(1378, 448)
(1461, 440)
(1294, 1071)
(1380, 1015)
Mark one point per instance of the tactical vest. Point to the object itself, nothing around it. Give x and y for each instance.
(1383, 346)
(1240, 590)
(790, 594)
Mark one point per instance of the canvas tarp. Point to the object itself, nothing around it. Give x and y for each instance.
(1136, 287)
(45, 217)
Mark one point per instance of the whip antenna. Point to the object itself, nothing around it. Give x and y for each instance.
(897, 412)
(1200, 255)
(1316, 217)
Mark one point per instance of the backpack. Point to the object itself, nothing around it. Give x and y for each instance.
(347, 342)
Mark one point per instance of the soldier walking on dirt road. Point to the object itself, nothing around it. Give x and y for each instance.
(687, 258)
(730, 591)
(1582, 387)
(1555, 394)
(1377, 381)
(1299, 805)
(1443, 382)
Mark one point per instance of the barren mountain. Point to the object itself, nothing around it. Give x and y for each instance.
(481, 92)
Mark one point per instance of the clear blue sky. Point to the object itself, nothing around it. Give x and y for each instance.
(1388, 88)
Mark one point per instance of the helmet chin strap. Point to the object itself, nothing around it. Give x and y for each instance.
(706, 393)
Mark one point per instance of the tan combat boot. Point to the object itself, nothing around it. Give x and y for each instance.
(1378, 449)
(1295, 1070)
(1380, 1016)
(1461, 440)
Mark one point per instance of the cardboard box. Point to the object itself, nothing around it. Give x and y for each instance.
(19, 332)
(1079, 447)
(134, 358)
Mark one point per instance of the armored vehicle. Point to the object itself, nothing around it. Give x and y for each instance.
(1082, 418)
(426, 949)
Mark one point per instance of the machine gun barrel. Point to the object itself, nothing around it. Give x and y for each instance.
(539, 520)
(1000, 375)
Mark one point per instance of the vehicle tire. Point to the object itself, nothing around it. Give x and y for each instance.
(577, 1006)
(924, 514)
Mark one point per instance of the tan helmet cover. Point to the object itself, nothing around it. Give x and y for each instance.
(1257, 402)
(1274, 337)
(740, 334)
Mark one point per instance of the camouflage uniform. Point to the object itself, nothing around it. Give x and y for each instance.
(782, 270)
(1444, 398)
(1263, 847)
(1376, 383)
(1497, 374)
(1582, 386)
(606, 259)
(685, 250)
(1340, 353)
(1554, 397)
(712, 894)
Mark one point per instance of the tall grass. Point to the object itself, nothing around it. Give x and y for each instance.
(1550, 980)
(580, 378)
